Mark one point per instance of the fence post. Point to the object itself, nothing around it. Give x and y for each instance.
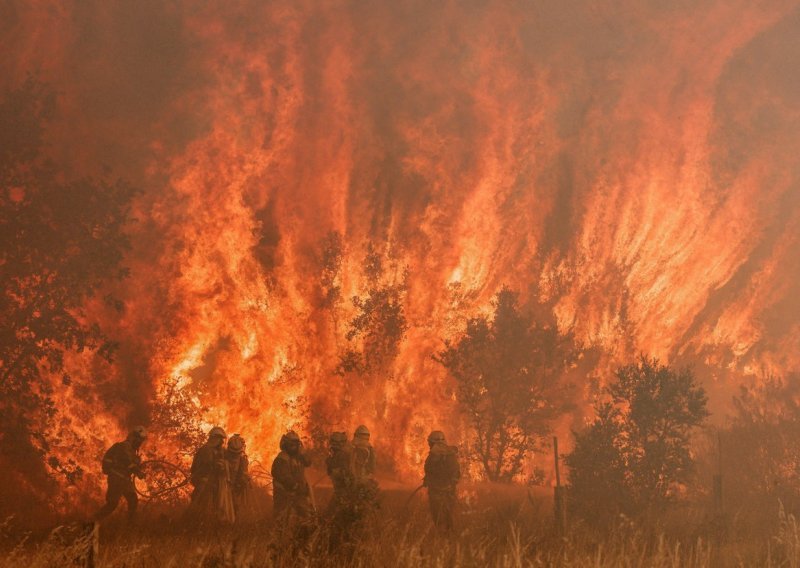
(559, 504)
(719, 508)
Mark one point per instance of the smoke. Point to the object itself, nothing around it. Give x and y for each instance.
(634, 162)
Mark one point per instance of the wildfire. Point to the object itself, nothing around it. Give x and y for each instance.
(605, 157)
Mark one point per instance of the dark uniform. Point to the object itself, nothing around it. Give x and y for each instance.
(120, 463)
(342, 510)
(211, 497)
(339, 465)
(207, 465)
(291, 494)
(442, 473)
(238, 465)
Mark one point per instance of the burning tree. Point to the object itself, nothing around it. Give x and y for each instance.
(508, 370)
(331, 261)
(637, 450)
(61, 241)
(380, 322)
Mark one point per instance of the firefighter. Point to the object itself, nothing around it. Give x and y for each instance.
(339, 465)
(238, 465)
(291, 494)
(342, 508)
(366, 488)
(363, 455)
(442, 473)
(121, 463)
(211, 497)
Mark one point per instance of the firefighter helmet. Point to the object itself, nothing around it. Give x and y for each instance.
(216, 431)
(436, 437)
(289, 440)
(338, 439)
(236, 444)
(138, 433)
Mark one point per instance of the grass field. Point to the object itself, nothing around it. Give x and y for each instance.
(496, 527)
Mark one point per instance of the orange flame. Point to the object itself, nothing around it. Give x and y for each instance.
(634, 162)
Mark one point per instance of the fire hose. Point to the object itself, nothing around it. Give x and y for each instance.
(256, 472)
(163, 490)
(413, 494)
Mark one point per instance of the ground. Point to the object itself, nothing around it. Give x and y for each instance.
(497, 526)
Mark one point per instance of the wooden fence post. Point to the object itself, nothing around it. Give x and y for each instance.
(559, 502)
(719, 504)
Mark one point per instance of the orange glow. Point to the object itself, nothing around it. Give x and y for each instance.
(605, 156)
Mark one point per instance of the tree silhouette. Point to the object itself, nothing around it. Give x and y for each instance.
(61, 240)
(380, 322)
(637, 450)
(765, 427)
(331, 267)
(508, 371)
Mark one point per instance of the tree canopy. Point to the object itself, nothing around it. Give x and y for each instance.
(636, 452)
(61, 241)
(508, 369)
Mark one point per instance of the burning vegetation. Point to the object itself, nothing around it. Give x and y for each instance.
(507, 221)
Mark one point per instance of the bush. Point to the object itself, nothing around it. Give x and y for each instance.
(509, 371)
(635, 454)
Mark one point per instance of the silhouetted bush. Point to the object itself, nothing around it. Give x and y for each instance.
(635, 454)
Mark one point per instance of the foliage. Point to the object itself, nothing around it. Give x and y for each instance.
(598, 476)
(62, 240)
(761, 446)
(380, 322)
(637, 450)
(508, 370)
(331, 261)
(177, 419)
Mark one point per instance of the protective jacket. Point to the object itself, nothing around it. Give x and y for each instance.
(442, 470)
(206, 464)
(363, 460)
(238, 465)
(289, 486)
(122, 461)
(211, 499)
(339, 465)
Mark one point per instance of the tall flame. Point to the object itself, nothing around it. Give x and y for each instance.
(635, 162)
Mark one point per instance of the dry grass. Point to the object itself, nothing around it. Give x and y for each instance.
(511, 531)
